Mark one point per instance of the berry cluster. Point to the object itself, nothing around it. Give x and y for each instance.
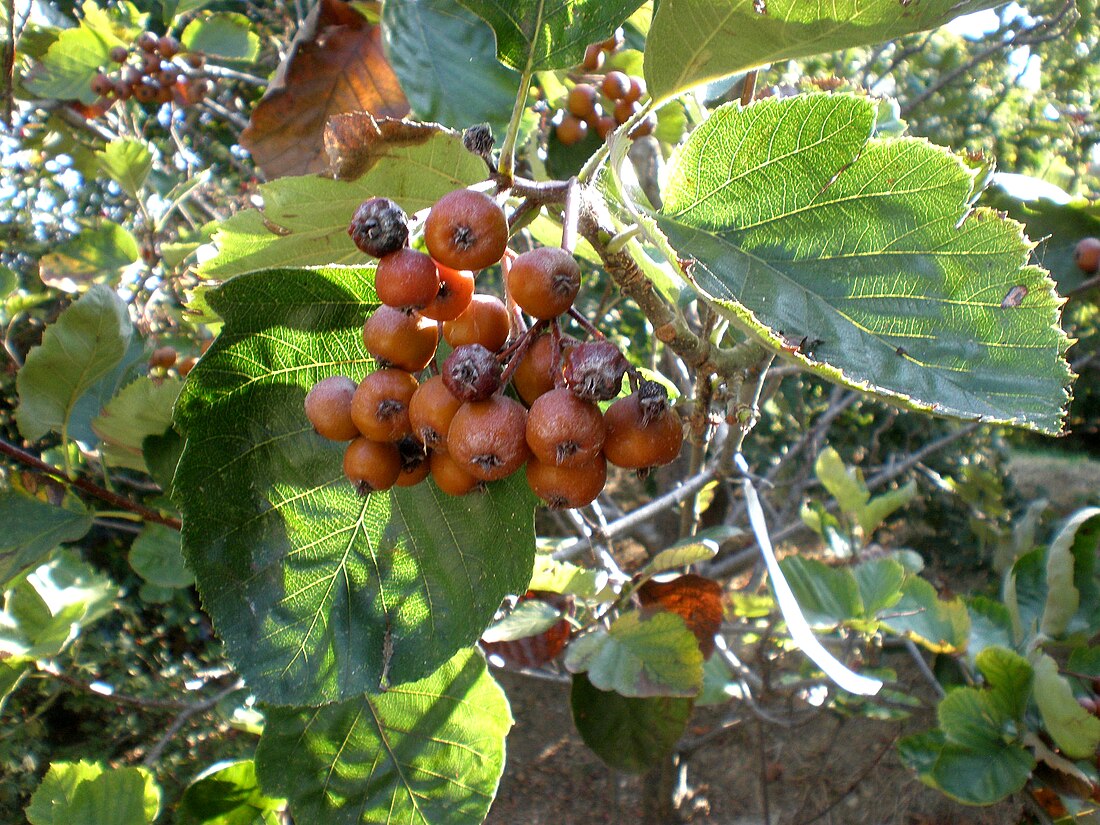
(148, 73)
(458, 425)
(602, 101)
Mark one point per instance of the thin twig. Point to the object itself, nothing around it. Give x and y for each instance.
(89, 487)
(154, 755)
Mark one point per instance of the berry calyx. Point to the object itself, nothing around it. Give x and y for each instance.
(1087, 255)
(466, 230)
(379, 227)
(406, 279)
(399, 339)
(456, 290)
(471, 373)
(544, 282)
(642, 429)
(372, 466)
(594, 370)
(380, 406)
(563, 430)
(567, 487)
(414, 462)
(485, 321)
(488, 438)
(328, 408)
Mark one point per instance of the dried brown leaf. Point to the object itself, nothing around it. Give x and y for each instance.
(355, 141)
(335, 65)
(696, 599)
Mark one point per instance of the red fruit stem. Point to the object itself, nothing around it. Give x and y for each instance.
(89, 487)
(514, 353)
(555, 341)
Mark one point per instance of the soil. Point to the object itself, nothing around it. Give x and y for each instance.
(830, 769)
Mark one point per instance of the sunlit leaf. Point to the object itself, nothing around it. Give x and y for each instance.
(228, 794)
(67, 69)
(305, 219)
(1074, 729)
(1071, 585)
(224, 35)
(695, 599)
(320, 594)
(127, 162)
(95, 256)
(85, 346)
(938, 624)
(141, 409)
(801, 225)
(827, 595)
(628, 733)
(694, 41)
(427, 752)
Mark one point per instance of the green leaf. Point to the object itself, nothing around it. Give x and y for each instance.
(317, 592)
(529, 618)
(1074, 729)
(628, 733)
(1071, 585)
(695, 41)
(74, 58)
(1009, 676)
(800, 224)
(701, 547)
(162, 455)
(990, 624)
(227, 794)
(53, 798)
(1085, 660)
(879, 508)
(223, 35)
(1025, 591)
(940, 625)
(127, 162)
(640, 655)
(990, 718)
(879, 584)
(156, 555)
(533, 35)
(143, 408)
(121, 796)
(844, 483)
(9, 281)
(12, 671)
(827, 595)
(85, 346)
(427, 752)
(445, 58)
(305, 219)
(49, 606)
(96, 256)
(32, 528)
(563, 577)
(984, 777)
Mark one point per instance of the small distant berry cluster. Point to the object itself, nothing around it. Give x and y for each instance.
(458, 425)
(148, 74)
(602, 102)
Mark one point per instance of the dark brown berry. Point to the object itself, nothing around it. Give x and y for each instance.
(643, 127)
(466, 230)
(102, 85)
(168, 47)
(484, 322)
(372, 466)
(119, 54)
(544, 281)
(328, 408)
(488, 438)
(148, 42)
(406, 279)
(594, 370)
(563, 430)
(1087, 255)
(195, 60)
(624, 110)
(636, 91)
(379, 227)
(380, 406)
(593, 58)
(185, 365)
(163, 357)
(605, 126)
(642, 430)
(145, 93)
(471, 373)
(430, 412)
(567, 487)
(456, 290)
(400, 339)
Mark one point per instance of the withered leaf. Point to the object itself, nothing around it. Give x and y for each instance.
(335, 65)
(355, 141)
(696, 599)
